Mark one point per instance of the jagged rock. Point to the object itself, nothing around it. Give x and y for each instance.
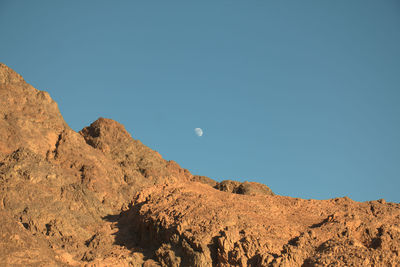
(204, 180)
(18, 247)
(101, 198)
(61, 187)
(136, 160)
(245, 188)
(28, 117)
(192, 224)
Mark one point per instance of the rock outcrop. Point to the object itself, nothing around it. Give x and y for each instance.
(190, 224)
(101, 198)
(60, 185)
(245, 188)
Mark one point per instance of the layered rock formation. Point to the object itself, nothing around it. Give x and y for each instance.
(101, 198)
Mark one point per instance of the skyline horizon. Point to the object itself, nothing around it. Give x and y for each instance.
(302, 97)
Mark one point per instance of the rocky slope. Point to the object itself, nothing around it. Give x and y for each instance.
(101, 198)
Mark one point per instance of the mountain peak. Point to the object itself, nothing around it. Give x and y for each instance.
(99, 197)
(28, 117)
(8, 75)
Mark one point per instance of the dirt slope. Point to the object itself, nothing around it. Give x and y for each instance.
(101, 198)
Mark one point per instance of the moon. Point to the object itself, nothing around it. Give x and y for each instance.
(198, 132)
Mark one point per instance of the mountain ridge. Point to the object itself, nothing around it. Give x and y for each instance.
(98, 197)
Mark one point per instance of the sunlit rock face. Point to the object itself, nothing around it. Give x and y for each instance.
(101, 198)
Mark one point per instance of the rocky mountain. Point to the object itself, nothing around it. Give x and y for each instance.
(98, 197)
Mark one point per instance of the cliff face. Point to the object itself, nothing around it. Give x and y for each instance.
(59, 184)
(99, 197)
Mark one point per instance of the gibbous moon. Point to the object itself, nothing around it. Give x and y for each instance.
(198, 131)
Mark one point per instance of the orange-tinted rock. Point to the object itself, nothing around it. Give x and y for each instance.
(59, 185)
(245, 188)
(28, 117)
(199, 226)
(204, 180)
(101, 198)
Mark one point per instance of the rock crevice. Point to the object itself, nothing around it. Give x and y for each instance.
(101, 198)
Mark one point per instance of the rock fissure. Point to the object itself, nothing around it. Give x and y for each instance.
(101, 198)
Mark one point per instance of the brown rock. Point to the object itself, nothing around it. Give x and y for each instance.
(204, 180)
(245, 188)
(19, 248)
(101, 198)
(28, 117)
(201, 227)
(62, 185)
(140, 164)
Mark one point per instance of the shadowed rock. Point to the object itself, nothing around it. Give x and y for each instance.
(245, 188)
(204, 180)
(101, 198)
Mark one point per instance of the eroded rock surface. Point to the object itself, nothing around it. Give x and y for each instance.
(101, 198)
(191, 224)
(61, 186)
(245, 188)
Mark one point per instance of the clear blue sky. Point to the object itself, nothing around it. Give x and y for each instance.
(303, 96)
